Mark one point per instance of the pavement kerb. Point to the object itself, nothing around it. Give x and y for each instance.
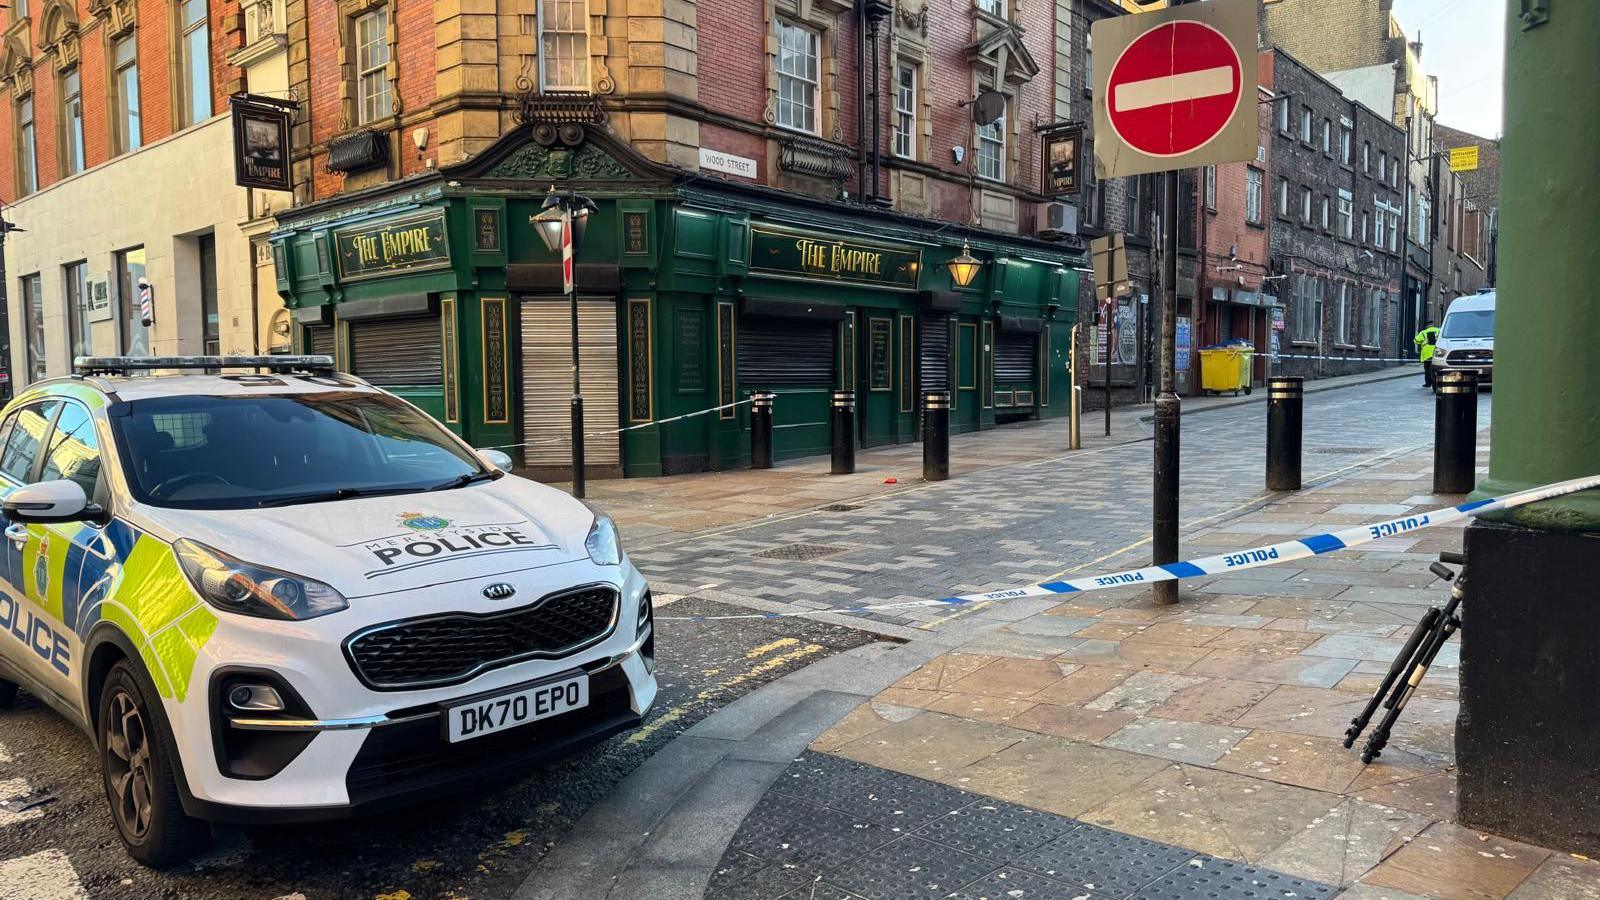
(627, 846)
(1315, 386)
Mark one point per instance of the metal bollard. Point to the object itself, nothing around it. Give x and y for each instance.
(1455, 431)
(761, 430)
(935, 435)
(1285, 415)
(844, 432)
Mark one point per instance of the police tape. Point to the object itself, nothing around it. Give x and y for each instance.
(594, 434)
(1222, 563)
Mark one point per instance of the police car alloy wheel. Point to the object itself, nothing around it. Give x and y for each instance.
(288, 596)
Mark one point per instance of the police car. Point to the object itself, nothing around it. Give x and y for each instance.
(285, 595)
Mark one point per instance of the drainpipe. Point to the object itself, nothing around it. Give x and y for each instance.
(861, 100)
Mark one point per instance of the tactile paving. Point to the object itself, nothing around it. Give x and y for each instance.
(773, 881)
(785, 830)
(1015, 884)
(900, 801)
(1220, 879)
(822, 779)
(1108, 863)
(995, 829)
(734, 866)
(910, 869)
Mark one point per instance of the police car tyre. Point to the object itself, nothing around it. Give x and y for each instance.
(136, 754)
(8, 695)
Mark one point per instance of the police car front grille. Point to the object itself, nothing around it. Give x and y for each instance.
(1472, 356)
(449, 649)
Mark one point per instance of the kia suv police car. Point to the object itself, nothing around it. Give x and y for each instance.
(286, 595)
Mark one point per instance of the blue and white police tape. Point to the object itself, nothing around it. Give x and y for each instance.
(1234, 561)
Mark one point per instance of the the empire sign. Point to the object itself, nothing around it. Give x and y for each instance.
(396, 245)
(793, 254)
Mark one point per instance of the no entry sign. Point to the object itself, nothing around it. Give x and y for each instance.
(1180, 91)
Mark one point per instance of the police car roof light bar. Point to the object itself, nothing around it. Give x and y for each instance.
(116, 365)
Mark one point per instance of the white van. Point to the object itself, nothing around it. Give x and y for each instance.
(1466, 341)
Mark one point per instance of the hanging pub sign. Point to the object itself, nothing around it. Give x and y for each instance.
(1062, 150)
(261, 142)
(403, 244)
(789, 253)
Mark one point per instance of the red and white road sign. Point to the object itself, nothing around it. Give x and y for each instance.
(1180, 88)
(1174, 89)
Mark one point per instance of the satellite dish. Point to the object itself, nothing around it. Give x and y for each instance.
(988, 107)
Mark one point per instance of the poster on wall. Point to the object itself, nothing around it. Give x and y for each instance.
(1181, 360)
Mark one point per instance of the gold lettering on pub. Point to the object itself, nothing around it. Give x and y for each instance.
(388, 246)
(837, 258)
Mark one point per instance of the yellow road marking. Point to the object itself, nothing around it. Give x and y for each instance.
(674, 713)
(764, 649)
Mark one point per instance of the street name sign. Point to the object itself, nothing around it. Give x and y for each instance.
(1180, 91)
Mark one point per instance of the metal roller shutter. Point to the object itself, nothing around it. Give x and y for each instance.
(1015, 355)
(786, 353)
(934, 356)
(321, 341)
(547, 381)
(398, 352)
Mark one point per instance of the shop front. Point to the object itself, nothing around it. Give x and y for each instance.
(692, 294)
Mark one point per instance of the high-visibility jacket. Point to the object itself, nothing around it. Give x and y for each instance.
(1425, 340)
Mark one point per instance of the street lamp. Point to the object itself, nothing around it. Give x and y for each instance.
(965, 267)
(561, 224)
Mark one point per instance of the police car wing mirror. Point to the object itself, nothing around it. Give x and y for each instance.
(497, 458)
(49, 501)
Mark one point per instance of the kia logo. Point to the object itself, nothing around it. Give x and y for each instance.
(499, 591)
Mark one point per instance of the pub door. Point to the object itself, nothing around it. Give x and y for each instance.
(876, 376)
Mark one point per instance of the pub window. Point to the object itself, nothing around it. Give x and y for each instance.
(194, 62)
(373, 100)
(27, 148)
(564, 45)
(905, 111)
(72, 122)
(126, 133)
(75, 278)
(799, 77)
(992, 149)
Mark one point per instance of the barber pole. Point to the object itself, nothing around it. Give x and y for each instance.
(147, 305)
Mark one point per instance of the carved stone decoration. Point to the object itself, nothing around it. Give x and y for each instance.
(58, 35)
(16, 68)
(120, 16)
(769, 112)
(537, 162)
(912, 20)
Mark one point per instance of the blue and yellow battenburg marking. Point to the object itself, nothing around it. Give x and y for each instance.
(1231, 561)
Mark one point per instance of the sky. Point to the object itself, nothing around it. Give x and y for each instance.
(1463, 43)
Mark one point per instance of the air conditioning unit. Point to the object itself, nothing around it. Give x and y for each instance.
(1056, 220)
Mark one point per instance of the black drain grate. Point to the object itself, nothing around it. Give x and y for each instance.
(1343, 449)
(841, 507)
(802, 552)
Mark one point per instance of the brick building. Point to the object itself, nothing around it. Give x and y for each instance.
(1360, 47)
(1467, 229)
(115, 101)
(777, 187)
(1335, 191)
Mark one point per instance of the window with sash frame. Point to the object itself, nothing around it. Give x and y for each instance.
(905, 111)
(992, 149)
(373, 98)
(564, 45)
(799, 77)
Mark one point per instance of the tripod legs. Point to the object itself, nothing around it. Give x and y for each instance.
(1403, 693)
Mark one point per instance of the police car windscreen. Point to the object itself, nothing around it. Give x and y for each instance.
(202, 452)
(1468, 323)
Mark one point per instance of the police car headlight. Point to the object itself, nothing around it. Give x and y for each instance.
(602, 543)
(240, 587)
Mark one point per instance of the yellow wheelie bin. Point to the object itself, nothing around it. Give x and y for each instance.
(1225, 367)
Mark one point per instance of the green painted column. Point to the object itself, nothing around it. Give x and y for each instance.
(1546, 377)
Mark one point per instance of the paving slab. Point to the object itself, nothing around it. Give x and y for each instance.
(1458, 862)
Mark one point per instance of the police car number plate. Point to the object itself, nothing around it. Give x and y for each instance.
(519, 706)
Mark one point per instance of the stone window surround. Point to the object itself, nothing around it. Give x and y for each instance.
(983, 73)
(907, 46)
(822, 16)
(349, 11)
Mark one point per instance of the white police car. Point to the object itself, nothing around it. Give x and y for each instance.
(291, 596)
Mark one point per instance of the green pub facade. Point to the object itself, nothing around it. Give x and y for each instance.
(693, 293)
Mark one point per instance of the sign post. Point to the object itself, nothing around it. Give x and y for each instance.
(1174, 97)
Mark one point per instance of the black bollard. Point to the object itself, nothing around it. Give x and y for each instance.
(844, 432)
(761, 430)
(935, 435)
(1455, 431)
(1285, 415)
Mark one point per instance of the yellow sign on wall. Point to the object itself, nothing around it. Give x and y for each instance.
(1464, 159)
(1138, 6)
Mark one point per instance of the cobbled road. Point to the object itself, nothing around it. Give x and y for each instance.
(1003, 526)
